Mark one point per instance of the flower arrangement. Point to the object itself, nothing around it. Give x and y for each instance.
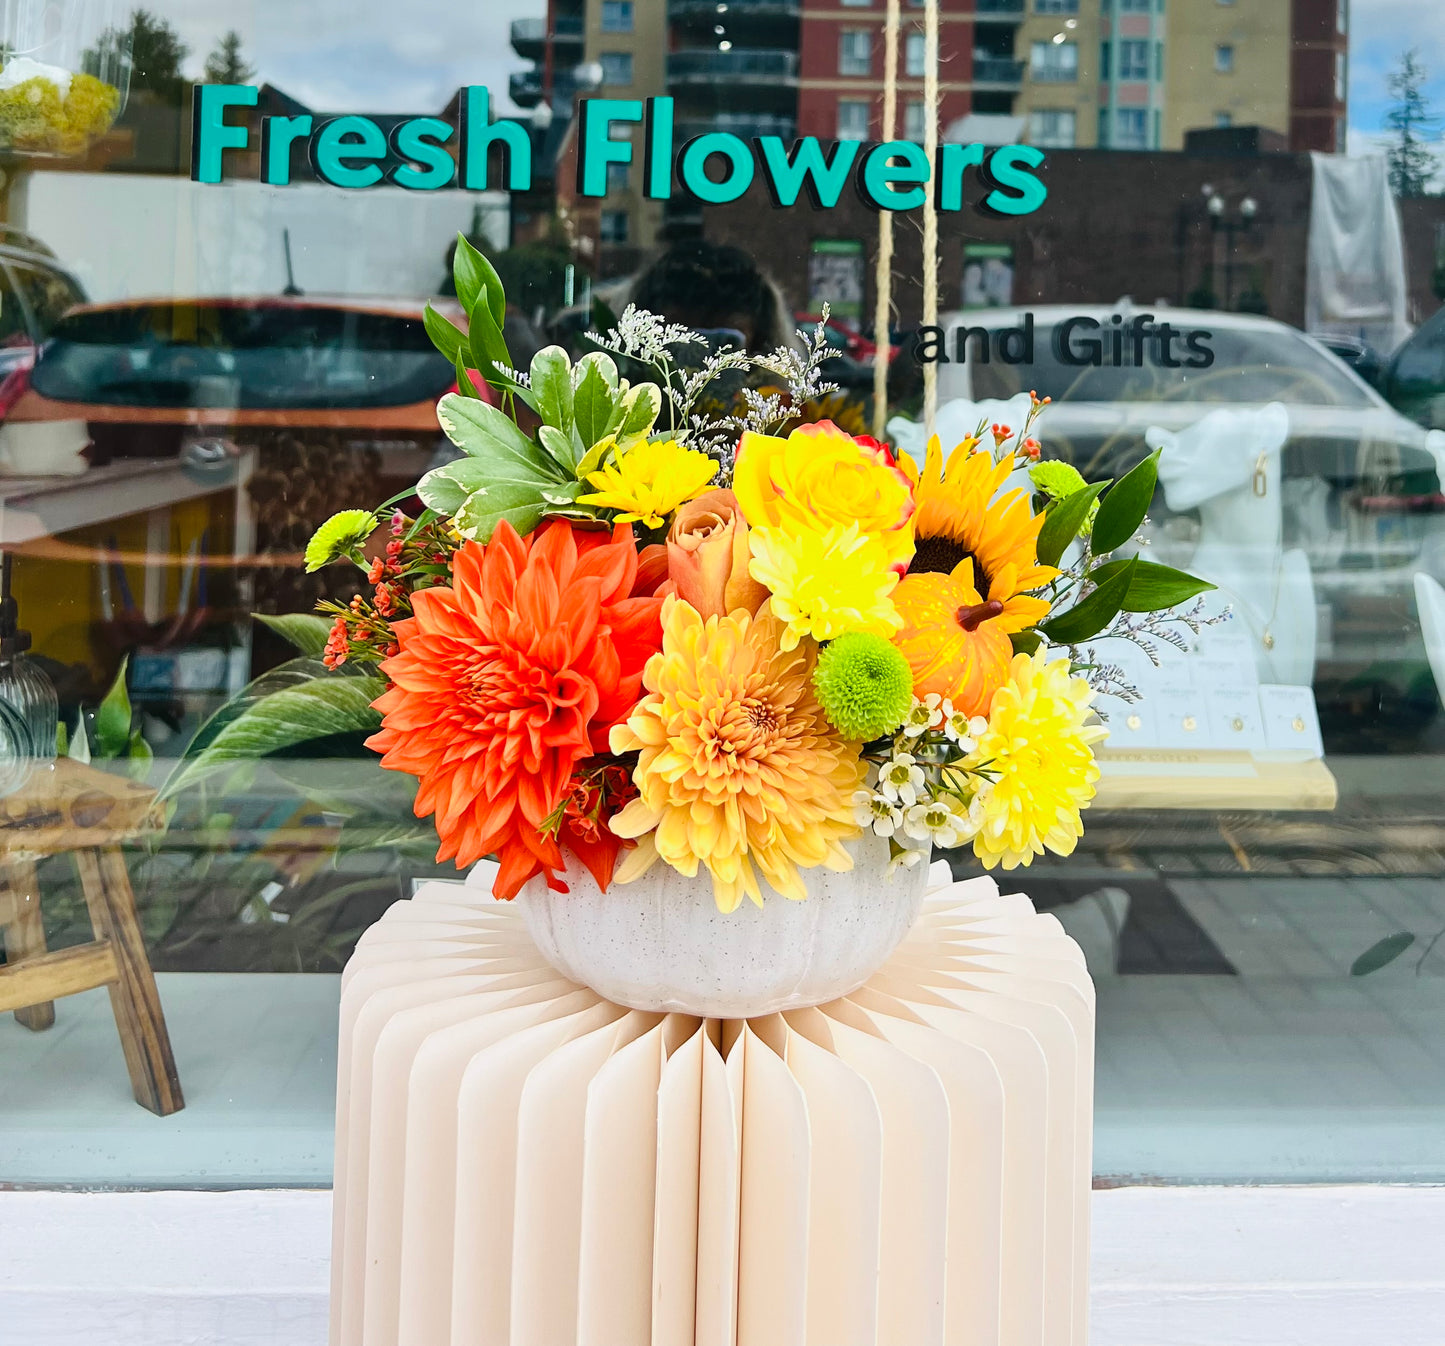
(47, 109)
(637, 631)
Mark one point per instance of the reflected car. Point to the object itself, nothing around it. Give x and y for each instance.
(35, 293)
(310, 403)
(1362, 357)
(1361, 482)
(1414, 378)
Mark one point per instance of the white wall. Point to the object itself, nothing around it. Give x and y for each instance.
(1172, 1266)
(128, 235)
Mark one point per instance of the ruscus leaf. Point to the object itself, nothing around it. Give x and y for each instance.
(1123, 509)
(1063, 520)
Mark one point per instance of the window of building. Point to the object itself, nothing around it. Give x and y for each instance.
(913, 55)
(1135, 6)
(853, 117)
(857, 4)
(1131, 128)
(1224, 58)
(617, 177)
(1222, 119)
(1133, 58)
(1056, 6)
(855, 52)
(616, 68)
(1106, 59)
(1340, 68)
(1053, 128)
(616, 16)
(1342, 16)
(1054, 62)
(613, 227)
(915, 119)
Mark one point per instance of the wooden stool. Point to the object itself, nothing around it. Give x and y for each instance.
(75, 809)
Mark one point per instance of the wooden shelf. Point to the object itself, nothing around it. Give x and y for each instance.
(1167, 778)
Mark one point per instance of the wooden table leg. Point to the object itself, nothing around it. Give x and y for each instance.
(25, 932)
(133, 996)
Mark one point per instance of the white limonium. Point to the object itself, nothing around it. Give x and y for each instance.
(926, 714)
(900, 779)
(877, 812)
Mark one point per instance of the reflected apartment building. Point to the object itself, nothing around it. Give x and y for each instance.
(1107, 74)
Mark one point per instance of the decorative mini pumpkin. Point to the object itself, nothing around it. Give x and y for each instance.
(950, 639)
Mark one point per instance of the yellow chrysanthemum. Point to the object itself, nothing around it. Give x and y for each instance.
(1038, 749)
(957, 517)
(650, 480)
(739, 770)
(825, 584)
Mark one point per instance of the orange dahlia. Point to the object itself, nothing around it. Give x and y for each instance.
(505, 681)
(961, 515)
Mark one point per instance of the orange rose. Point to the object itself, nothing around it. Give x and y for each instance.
(707, 556)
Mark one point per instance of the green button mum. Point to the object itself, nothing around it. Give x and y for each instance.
(864, 686)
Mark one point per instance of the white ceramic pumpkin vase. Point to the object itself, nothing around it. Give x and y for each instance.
(659, 943)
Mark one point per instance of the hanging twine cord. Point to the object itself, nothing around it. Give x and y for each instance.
(883, 273)
(930, 209)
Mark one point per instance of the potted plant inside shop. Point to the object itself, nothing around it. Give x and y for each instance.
(710, 683)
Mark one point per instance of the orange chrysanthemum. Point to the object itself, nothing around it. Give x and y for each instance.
(505, 681)
(957, 518)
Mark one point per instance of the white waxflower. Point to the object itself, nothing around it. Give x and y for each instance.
(964, 730)
(903, 860)
(876, 812)
(936, 822)
(926, 714)
(901, 779)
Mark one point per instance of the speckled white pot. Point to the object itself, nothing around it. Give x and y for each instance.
(660, 943)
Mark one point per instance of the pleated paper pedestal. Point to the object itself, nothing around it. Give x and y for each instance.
(521, 1163)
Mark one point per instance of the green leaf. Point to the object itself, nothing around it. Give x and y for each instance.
(1382, 954)
(306, 631)
(140, 755)
(1062, 522)
(1091, 615)
(1025, 642)
(446, 488)
(112, 719)
(484, 432)
(595, 400)
(519, 503)
(465, 386)
(79, 749)
(316, 708)
(551, 380)
(474, 275)
(1154, 587)
(559, 444)
(644, 405)
(1123, 509)
(594, 457)
(446, 336)
(488, 348)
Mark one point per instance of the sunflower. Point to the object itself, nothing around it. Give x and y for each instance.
(738, 767)
(958, 518)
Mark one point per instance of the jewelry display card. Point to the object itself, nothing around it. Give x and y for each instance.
(1234, 716)
(1291, 721)
(520, 1162)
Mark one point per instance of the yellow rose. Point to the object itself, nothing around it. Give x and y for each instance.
(820, 477)
(707, 556)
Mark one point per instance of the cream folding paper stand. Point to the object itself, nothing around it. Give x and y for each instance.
(521, 1163)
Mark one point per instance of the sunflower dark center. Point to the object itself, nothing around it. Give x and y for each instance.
(940, 555)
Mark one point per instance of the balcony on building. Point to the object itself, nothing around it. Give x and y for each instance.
(741, 66)
(998, 11)
(997, 72)
(682, 10)
(742, 124)
(530, 37)
(524, 87)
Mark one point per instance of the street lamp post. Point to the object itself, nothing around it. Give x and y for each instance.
(1222, 222)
